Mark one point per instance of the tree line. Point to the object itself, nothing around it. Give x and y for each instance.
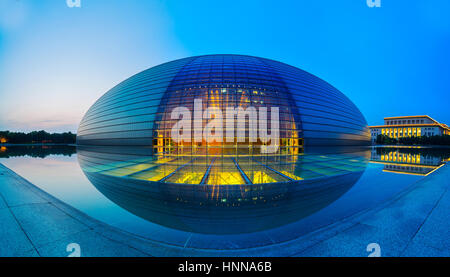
(422, 140)
(39, 151)
(36, 137)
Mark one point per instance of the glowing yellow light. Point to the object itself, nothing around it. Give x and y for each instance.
(162, 159)
(127, 170)
(189, 178)
(167, 150)
(260, 177)
(292, 176)
(225, 178)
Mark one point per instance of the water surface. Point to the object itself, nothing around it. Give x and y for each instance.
(331, 186)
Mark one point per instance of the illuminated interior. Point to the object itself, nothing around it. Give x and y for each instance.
(407, 163)
(138, 112)
(226, 163)
(184, 195)
(229, 170)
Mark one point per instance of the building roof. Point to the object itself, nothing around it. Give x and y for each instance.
(407, 125)
(436, 123)
(410, 116)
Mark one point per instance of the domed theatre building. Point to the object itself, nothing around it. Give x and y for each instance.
(220, 120)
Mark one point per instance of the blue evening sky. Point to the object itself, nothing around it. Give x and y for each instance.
(55, 61)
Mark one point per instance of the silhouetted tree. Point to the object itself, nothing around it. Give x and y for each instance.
(39, 151)
(422, 140)
(37, 137)
(383, 139)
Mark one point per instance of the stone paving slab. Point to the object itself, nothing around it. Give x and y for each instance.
(2, 202)
(14, 193)
(353, 243)
(44, 223)
(417, 249)
(33, 223)
(435, 232)
(415, 223)
(104, 247)
(13, 241)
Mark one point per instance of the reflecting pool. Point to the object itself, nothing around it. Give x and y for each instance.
(176, 200)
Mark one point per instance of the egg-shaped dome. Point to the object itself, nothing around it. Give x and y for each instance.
(139, 111)
(216, 144)
(221, 120)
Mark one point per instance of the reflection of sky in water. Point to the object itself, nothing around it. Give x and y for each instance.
(62, 177)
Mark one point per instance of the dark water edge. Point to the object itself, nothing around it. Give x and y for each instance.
(437, 151)
(37, 144)
(42, 150)
(36, 150)
(410, 146)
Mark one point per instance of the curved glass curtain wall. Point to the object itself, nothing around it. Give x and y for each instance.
(328, 117)
(221, 209)
(125, 114)
(223, 82)
(137, 112)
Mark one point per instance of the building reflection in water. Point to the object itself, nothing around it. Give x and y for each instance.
(410, 160)
(254, 193)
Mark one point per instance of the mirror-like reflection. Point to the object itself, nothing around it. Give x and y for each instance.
(410, 160)
(36, 151)
(335, 184)
(263, 192)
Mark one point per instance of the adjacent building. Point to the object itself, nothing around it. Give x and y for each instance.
(407, 126)
(407, 161)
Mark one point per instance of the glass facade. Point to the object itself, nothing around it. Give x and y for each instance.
(126, 176)
(139, 112)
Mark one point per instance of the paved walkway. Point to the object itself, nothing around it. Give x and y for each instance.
(416, 223)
